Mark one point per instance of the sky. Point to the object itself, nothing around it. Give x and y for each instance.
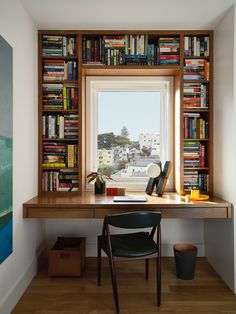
(138, 111)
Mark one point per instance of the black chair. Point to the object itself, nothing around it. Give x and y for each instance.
(130, 246)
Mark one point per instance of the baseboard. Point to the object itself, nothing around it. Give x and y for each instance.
(21, 284)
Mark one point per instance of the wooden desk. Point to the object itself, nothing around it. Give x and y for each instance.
(97, 206)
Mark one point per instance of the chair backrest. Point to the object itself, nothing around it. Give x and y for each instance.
(134, 220)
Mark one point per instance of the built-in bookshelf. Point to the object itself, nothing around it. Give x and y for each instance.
(197, 109)
(59, 112)
(66, 58)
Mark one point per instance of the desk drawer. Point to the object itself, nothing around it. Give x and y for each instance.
(196, 212)
(59, 212)
(172, 212)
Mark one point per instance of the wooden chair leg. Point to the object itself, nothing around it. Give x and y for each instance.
(114, 282)
(99, 262)
(147, 268)
(158, 270)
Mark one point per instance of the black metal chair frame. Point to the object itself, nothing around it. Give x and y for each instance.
(105, 244)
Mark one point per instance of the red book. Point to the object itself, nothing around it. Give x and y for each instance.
(112, 191)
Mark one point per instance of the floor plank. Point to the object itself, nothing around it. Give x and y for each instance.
(207, 293)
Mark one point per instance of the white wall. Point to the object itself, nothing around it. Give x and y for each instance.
(219, 234)
(173, 231)
(234, 113)
(18, 269)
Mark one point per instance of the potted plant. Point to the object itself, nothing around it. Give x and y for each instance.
(100, 181)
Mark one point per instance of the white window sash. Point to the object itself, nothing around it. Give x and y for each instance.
(164, 85)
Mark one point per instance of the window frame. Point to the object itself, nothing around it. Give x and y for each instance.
(162, 84)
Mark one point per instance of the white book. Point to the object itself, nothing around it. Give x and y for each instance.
(129, 198)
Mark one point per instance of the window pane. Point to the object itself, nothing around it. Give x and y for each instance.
(128, 133)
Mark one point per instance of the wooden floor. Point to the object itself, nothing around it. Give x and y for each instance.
(207, 293)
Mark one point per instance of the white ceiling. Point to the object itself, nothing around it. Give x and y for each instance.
(127, 14)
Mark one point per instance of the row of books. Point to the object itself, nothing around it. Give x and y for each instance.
(54, 45)
(136, 45)
(115, 50)
(194, 154)
(196, 180)
(59, 155)
(196, 46)
(130, 49)
(59, 45)
(114, 56)
(59, 96)
(195, 127)
(60, 70)
(196, 95)
(196, 69)
(62, 180)
(60, 126)
(93, 50)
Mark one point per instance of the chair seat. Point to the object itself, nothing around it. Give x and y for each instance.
(131, 245)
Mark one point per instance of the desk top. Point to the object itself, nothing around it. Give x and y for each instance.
(90, 205)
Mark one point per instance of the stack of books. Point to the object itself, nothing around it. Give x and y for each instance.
(59, 155)
(195, 95)
(53, 96)
(71, 126)
(54, 155)
(59, 70)
(168, 50)
(196, 180)
(196, 69)
(52, 45)
(68, 180)
(59, 46)
(191, 180)
(194, 154)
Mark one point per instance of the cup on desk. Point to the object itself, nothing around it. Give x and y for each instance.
(194, 193)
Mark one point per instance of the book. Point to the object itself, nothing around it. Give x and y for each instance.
(128, 198)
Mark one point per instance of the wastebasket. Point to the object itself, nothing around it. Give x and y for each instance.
(185, 260)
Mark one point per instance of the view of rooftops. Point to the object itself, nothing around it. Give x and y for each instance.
(128, 135)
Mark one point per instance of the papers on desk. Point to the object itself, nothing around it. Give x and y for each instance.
(129, 198)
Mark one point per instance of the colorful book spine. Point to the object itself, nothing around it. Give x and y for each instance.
(65, 46)
(197, 46)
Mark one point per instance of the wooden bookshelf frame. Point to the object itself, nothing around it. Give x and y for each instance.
(77, 83)
(130, 70)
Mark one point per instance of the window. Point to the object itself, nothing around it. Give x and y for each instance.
(129, 125)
